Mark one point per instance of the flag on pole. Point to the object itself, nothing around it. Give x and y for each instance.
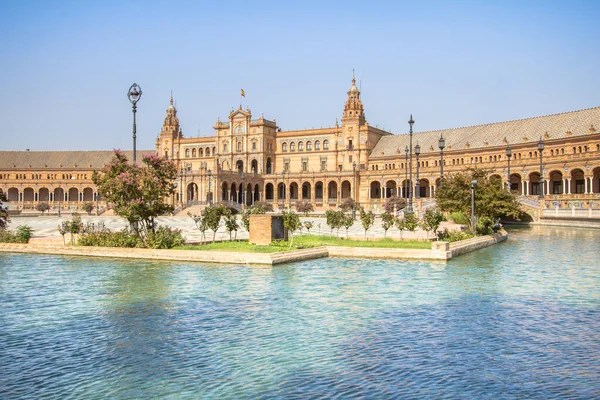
(243, 93)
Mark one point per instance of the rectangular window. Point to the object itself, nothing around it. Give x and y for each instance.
(304, 165)
(350, 159)
(579, 186)
(557, 187)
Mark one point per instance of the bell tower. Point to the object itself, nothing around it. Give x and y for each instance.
(169, 133)
(353, 109)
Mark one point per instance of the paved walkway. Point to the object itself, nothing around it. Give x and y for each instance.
(47, 227)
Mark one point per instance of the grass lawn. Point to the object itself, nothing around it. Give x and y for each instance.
(305, 242)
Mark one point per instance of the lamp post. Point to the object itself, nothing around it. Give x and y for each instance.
(353, 190)
(473, 184)
(242, 189)
(181, 186)
(441, 145)
(508, 157)
(406, 183)
(541, 183)
(284, 191)
(417, 183)
(134, 94)
(209, 189)
(410, 191)
(62, 194)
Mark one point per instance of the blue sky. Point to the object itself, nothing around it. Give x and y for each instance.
(66, 66)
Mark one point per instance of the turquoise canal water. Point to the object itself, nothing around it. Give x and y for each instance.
(517, 320)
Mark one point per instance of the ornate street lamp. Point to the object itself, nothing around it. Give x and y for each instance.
(284, 191)
(406, 183)
(541, 183)
(473, 184)
(134, 94)
(209, 192)
(508, 156)
(441, 145)
(353, 190)
(417, 183)
(410, 190)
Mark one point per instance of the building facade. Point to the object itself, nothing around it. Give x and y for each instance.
(249, 160)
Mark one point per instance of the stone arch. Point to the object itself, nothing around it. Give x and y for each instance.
(194, 152)
(208, 151)
(239, 166)
(191, 192)
(556, 182)
(224, 191)
(256, 194)
(225, 166)
(88, 194)
(319, 191)
(44, 194)
(254, 166)
(59, 194)
(306, 191)
(534, 183)
(424, 188)
(516, 183)
(281, 192)
(375, 190)
(73, 194)
(201, 152)
(294, 191)
(405, 188)
(28, 194)
(390, 188)
(346, 189)
(12, 194)
(234, 193)
(596, 180)
(577, 181)
(269, 191)
(269, 165)
(332, 188)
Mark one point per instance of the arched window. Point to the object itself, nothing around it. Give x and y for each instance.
(187, 152)
(284, 147)
(317, 145)
(201, 152)
(300, 146)
(193, 152)
(239, 146)
(292, 146)
(308, 146)
(224, 147)
(239, 129)
(207, 151)
(325, 144)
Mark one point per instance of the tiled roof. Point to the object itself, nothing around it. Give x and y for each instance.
(515, 132)
(54, 159)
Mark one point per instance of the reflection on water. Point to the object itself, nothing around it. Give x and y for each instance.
(517, 320)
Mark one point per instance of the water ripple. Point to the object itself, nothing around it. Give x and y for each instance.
(518, 320)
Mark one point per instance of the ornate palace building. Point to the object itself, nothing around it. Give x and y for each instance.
(249, 160)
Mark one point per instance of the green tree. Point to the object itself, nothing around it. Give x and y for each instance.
(88, 208)
(75, 226)
(367, 219)
(63, 229)
(399, 222)
(42, 207)
(291, 221)
(212, 217)
(304, 207)
(200, 224)
(308, 225)
(347, 205)
(231, 225)
(138, 192)
(387, 221)
(411, 221)
(491, 199)
(394, 203)
(347, 222)
(4, 220)
(431, 220)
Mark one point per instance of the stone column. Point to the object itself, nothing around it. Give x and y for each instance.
(569, 186)
(526, 188)
(586, 185)
(564, 191)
